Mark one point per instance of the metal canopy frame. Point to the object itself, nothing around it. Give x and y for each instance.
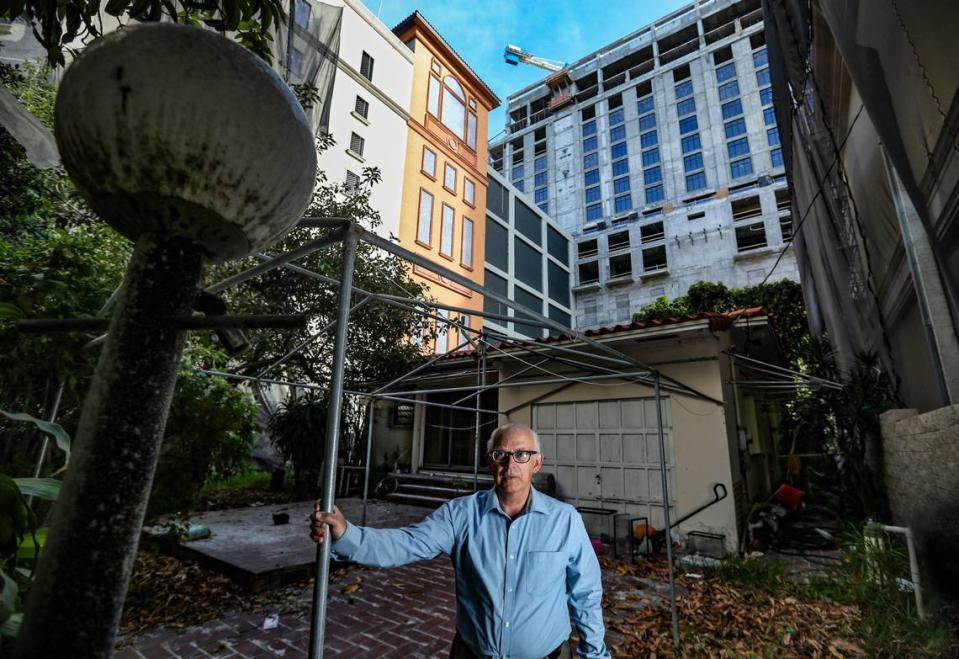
(570, 355)
(577, 351)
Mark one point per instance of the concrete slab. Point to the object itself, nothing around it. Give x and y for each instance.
(249, 548)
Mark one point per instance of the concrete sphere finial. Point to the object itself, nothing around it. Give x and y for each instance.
(178, 130)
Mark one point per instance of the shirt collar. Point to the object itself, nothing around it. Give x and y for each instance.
(534, 504)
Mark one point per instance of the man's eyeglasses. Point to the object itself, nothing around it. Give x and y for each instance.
(521, 457)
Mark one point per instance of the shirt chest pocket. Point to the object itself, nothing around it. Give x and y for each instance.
(545, 571)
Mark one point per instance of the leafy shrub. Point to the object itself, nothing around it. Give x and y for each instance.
(209, 434)
(298, 432)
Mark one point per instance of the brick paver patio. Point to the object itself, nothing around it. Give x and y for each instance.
(400, 612)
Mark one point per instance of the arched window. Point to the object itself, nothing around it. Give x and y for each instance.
(454, 107)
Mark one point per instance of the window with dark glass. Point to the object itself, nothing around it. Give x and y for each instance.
(618, 150)
(533, 303)
(769, 116)
(743, 167)
(361, 107)
(592, 194)
(366, 66)
(356, 144)
(652, 175)
(650, 157)
(645, 105)
(684, 107)
(497, 245)
(772, 136)
(683, 89)
(527, 264)
(738, 147)
(693, 162)
(621, 167)
(647, 122)
(695, 181)
(618, 133)
(655, 194)
(527, 221)
(729, 90)
(732, 108)
(688, 125)
(558, 284)
(557, 245)
(725, 72)
(590, 144)
(735, 127)
(649, 139)
(691, 143)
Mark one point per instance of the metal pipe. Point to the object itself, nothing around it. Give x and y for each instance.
(321, 583)
(481, 376)
(913, 565)
(46, 438)
(527, 313)
(326, 328)
(275, 262)
(668, 531)
(522, 383)
(428, 403)
(509, 377)
(369, 452)
(184, 322)
(571, 351)
(536, 399)
(419, 368)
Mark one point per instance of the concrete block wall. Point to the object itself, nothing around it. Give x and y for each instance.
(921, 471)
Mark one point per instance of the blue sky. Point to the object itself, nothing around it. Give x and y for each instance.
(555, 29)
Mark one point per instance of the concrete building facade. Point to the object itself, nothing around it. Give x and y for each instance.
(660, 154)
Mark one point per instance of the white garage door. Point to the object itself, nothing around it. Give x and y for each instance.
(605, 454)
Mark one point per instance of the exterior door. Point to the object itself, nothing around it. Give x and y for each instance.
(605, 454)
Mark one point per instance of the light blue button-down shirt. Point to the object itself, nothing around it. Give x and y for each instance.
(516, 582)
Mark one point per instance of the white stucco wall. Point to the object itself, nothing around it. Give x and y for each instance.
(388, 94)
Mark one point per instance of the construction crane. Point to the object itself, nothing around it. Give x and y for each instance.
(514, 55)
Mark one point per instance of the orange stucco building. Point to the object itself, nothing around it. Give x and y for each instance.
(443, 204)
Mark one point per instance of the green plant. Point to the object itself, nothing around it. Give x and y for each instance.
(209, 435)
(889, 624)
(250, 22)
(20, 539)
(298, 431)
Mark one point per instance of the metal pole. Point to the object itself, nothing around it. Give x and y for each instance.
(46, 438)
(481, 377)
(369, 452)
(326, 328)
(321, 584)
(669, 535)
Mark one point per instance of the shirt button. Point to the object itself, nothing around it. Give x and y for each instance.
(507, 624)
(511, 557)
(509, 590)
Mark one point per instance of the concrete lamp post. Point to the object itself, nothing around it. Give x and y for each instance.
(196, 150)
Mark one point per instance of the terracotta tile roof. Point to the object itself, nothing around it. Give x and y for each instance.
(717, 321)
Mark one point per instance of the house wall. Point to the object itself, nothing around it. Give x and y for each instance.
(921, 460)
(701, 449)
(388, 95)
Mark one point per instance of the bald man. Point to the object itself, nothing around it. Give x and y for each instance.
(523, 561)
